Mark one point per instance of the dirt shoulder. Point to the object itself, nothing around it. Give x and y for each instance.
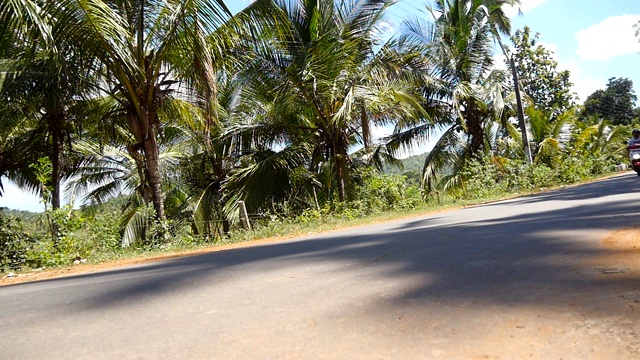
(83, 268)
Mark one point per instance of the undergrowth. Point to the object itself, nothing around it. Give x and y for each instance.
(95, 236)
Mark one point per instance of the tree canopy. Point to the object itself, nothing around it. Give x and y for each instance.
(548, 88)
(615, 103)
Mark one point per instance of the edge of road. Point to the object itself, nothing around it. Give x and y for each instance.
(79, 269)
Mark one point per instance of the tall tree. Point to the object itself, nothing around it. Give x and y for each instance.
(458, 43)
(615, 103)
(44, 76)
(548, 88)
(143, 45)
(319, 76)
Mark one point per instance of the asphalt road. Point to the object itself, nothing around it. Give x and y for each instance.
(536, 277)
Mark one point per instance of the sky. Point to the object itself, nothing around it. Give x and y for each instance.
(593, 39)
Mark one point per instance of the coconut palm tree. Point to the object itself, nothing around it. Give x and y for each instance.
(319, 75)
(142, 46)
(546, 134)
(470, 94)
(599, 139)
(44, 78)
(108, 170)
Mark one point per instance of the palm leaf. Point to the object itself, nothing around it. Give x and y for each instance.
(135, 225)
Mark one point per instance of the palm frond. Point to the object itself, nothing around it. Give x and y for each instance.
(135, 225)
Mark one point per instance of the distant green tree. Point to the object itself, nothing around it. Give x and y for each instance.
(548, 88)
(615, 103)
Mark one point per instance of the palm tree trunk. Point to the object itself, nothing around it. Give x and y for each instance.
(338, 155)
(145, 134)
(54, 121)
(341, 186)
(342, 190)
(55, 170)
(475, 129)
(57, 140)
(153, 175)
(474, 125)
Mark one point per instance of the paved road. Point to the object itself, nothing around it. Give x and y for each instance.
(537, 277)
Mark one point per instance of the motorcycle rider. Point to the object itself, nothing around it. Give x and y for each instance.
(632, 146)
(635, 140)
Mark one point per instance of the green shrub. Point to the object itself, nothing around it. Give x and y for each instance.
(511, 176)
(15, 245)
(378, 192)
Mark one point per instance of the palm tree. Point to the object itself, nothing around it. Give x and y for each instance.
(142, 46)
(209, 159)
(44, 78)
(463, 42)
(22, 143)
(599, 139)
(319, 76)
(108, 170)
(546, 134)
(469, 94)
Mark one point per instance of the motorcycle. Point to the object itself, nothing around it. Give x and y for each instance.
(634, 157)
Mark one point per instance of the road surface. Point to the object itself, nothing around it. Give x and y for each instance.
(549, 276)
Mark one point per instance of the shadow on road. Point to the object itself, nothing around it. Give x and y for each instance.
(524, 259)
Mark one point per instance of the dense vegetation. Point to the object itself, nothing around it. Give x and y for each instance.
(167, 119)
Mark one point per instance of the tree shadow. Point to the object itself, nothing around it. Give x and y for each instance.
(528, 258)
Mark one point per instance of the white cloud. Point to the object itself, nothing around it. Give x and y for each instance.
(525, 7)
(583, 85)
(612, 37)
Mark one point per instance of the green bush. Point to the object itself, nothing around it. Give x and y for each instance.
(15, 245)
(511, 176)
(378, 192)
(479, 172)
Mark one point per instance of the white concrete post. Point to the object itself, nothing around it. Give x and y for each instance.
(244, 217)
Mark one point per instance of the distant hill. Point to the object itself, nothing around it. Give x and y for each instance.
(27, 219)
(17, 213)
(412, 167)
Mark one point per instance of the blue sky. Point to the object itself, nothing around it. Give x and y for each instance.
(593, 39)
